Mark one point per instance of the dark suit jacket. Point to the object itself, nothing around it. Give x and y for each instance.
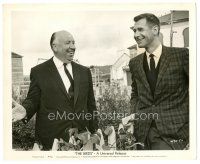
(47, 94)
(170, 100)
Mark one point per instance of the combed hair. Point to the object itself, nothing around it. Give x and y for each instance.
(53, 36)
(150, 18)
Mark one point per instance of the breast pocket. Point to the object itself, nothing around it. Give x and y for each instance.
(83, 88)
(172, 77)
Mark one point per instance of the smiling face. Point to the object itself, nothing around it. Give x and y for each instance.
(144, 33)
(64, 46)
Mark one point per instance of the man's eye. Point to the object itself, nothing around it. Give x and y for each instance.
(140, 29)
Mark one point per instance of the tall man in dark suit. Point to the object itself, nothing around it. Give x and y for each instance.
(60, 93)
(160, 84)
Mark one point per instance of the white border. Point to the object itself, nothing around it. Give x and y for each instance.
(174, 154)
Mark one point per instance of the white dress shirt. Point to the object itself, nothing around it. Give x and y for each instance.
(157, 53)
(60, 67)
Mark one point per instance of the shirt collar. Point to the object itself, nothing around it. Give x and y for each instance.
(57, 62)
(157, 52)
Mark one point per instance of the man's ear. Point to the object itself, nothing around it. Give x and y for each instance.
(155, 29)
(54, 47)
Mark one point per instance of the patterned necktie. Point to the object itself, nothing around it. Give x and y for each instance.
(71, 88)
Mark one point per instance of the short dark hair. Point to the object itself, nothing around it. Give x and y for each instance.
(53, 36)
(150, 18)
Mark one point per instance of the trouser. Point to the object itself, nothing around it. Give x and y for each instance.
(155, 141)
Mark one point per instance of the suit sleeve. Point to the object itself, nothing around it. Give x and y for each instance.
(134, 94)
(185, 58)
(134, 98)
(93, 123)
(31, 103)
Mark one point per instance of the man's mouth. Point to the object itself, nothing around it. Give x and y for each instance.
(139, 40)
(71, 52)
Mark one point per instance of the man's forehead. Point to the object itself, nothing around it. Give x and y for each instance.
(141, 22)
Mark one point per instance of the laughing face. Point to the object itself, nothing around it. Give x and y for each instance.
(144, 33)
(64, 46)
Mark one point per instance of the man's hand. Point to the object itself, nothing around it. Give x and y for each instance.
(127, 119)
(18, 112)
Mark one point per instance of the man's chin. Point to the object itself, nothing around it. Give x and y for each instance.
(70, 60)
(141, 46)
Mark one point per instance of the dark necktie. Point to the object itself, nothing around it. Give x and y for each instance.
(152, 73)
(152, 63)
(71, 88)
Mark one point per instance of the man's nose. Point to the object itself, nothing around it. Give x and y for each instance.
(72, 46)
(136, 34)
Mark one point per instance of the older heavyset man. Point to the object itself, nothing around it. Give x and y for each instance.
(60, 93)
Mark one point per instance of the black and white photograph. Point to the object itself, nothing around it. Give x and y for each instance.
(99, 80)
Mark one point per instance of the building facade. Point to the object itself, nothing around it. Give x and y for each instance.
(17, 69)
(175, 28)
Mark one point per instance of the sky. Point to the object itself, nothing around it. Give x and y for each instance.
(101, 36)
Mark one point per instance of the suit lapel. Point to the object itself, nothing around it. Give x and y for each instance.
(76, 76)
(164, 62)
(54, 74)
(141, 72)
